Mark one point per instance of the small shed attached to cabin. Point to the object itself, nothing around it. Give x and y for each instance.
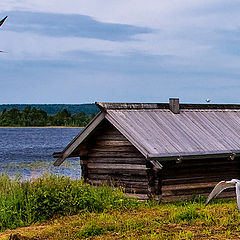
(166, 151)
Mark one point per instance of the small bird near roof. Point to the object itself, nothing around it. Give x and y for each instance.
(208, 100)
(225, 185)
(2, 21)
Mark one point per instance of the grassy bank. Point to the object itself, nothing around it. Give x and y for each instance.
(24, 203)
(60, 208)
(190, 220)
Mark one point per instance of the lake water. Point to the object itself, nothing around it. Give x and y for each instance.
(28, 151)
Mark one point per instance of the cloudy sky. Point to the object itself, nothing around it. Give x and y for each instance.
(82, 51)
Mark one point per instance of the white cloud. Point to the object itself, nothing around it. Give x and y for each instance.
(187, 30)
(153, 13)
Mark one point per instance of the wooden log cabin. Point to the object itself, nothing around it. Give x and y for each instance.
(167, 151)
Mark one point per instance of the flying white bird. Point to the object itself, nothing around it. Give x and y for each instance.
(224, 185)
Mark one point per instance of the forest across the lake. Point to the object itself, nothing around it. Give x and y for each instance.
(41, 115)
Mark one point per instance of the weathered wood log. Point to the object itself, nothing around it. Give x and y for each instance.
(119, 171)
(202, 179)
(118, 177)
(113, 149)
(115, 154)
(109, 143)
(129, 184)
(173, 198)
(127, 188)
(137, 161)
(116, 166)
(107, 137)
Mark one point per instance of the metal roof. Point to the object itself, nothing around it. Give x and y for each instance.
(161, 133)
(198, 130)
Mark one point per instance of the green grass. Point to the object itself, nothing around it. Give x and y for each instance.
(24, 203)
(175, 221)
(61, 208)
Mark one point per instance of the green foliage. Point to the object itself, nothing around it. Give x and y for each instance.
(37, 117)
(91, 231)
(23, 203)
(188, 214)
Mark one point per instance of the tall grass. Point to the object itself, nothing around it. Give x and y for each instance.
(23, 203)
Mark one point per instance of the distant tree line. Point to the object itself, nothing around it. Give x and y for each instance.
(88, 108)
(30, 116)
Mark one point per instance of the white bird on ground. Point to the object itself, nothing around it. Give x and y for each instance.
(224, 185)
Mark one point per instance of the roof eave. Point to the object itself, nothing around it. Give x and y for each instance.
(194, 155)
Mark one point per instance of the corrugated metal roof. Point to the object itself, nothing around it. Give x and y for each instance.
(159, 132)
(197, 130)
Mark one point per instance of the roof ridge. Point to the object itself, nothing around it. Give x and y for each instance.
(109, 105)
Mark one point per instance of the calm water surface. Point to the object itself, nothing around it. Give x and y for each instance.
(28, 151)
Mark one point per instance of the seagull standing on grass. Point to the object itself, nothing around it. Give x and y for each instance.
(224, 185)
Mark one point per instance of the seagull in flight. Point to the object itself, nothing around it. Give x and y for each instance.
(2, 21)
(225, 185)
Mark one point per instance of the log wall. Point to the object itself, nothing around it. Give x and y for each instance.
(112, 159)
(181, 181)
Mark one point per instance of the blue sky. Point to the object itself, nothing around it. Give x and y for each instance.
(81, 51)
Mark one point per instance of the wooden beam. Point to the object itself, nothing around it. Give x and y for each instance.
(79, 138)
